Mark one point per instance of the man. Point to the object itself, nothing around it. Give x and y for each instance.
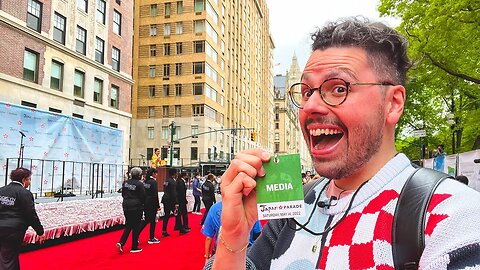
(181, 220)
(439, 159)
(169, 198)
(197, 192)
(133, 193)
(350, 99)
(208, 195)
(152, 204)
(155, 161)
(17, 212)
(212, 225)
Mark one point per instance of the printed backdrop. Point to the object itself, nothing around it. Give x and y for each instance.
(53, 138)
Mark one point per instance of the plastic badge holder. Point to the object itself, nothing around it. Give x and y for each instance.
(280, 191)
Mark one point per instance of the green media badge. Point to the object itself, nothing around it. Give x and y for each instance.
(280, 191)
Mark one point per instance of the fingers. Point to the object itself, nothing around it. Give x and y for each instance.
(242, 184)
(249, 162)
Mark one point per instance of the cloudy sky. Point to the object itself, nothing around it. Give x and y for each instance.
(292, 22)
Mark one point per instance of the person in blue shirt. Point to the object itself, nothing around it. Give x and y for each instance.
(439, 159)
(197, 192)
(211, 228)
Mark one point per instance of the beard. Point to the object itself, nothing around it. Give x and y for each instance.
(362, 143)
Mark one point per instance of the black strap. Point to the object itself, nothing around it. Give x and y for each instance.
(410, 217)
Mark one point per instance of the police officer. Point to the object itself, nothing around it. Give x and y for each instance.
(208, 195)
(169, 198)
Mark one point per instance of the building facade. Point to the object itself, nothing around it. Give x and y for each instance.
(70, 57)
(288, 137)
(204, 68)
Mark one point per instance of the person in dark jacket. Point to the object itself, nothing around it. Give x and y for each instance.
(197, 192)
(17, 212)
(133, 193)
(181, 220)
(169, 198)
(152, 204)
(208, 195)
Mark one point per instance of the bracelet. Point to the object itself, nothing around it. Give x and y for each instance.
(206, 256)
(226, 245)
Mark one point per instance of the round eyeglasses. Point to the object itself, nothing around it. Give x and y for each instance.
(334, 91)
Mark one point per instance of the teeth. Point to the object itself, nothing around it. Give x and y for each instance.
(323, 131)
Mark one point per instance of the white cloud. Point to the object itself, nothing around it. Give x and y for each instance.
(292, 22)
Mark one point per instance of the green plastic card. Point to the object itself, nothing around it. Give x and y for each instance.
(280, 191)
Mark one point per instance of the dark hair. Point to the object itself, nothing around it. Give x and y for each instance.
(172, 171)
(150, 172)
(386, 48)
(462, 178)
(19, 174)
(155, 150)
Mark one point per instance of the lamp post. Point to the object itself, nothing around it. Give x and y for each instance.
(451, 121)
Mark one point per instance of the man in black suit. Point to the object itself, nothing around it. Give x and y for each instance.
(181, 222)
(169, 198)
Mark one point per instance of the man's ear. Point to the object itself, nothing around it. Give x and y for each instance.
(395, 102)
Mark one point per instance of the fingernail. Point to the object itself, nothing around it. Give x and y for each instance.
(261, 172)
(266, 155)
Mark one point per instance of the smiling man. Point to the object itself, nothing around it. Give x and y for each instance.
(350, 98)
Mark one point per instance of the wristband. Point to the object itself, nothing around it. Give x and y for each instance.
(227, 247)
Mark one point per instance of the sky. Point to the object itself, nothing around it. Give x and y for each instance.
(292, 22)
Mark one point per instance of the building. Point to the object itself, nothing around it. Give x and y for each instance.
(70, 57)
(204, 68)
(288, 137)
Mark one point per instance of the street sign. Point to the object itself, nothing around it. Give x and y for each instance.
(419, 133)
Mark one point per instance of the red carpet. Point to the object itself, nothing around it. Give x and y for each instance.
(183, 252)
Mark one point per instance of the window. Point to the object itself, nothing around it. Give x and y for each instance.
(166, 49)
(153, 50)
(179, 47)
(153, 10)
(176, 150)
(165, 133)
(82, 5)
(166, 90)
(81, 44)
(277, 147)
(114, 96)
(178, 69)
(277, 136)
(98, 121)
(59, 28)
(194, 131)
(168, 9)
(151, 111)
(113, 125)
(50, 109)
(97, 90)
(277, 125)
(199, 5)
(115, 59)
(56, 75)
(151, 90)
(179, 7)
(34, 15)
(30, 66)
(199, 46)
(198, 67)
(178, 90)
(29, 104)
(165, 111)
(99, 49)
(166, 71)
(117, 22)
(150, 133)
(197, 110)
(212, 13)
(199, 26)
(179, 28)
(198, 88)
(178, 110)
(101, 11)
(79, 83)
(153, 30)
(76, 115)
(166, 29)
(193, 153)
(152, 71)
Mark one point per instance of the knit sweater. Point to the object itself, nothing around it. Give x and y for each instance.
(363, 240)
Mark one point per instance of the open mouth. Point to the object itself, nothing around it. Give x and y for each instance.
(324, 138)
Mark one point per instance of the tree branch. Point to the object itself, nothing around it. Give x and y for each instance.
(451, 72)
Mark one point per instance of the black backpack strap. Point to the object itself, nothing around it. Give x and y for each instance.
(409, 220)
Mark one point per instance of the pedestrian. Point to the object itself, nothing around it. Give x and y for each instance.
(349, 100)
(169, 199)
(208, 195)
(152, 204)
(439, 159)
(197, 192)
(17, 212)
(133, 193)
(181, 220)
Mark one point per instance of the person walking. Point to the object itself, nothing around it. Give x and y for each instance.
(169, 199)
(181, 220)
(208, 195)
(133, 193)
(17, 212)
(197, 192)
(152, 204)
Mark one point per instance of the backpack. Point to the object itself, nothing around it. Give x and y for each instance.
(409, 219)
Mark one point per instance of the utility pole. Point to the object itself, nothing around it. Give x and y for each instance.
(232, 150)
(172, 132)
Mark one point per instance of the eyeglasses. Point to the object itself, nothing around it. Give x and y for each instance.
(334, 91)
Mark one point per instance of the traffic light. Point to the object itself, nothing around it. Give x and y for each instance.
(253, 136)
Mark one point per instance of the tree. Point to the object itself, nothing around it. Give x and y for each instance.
(444, 42)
